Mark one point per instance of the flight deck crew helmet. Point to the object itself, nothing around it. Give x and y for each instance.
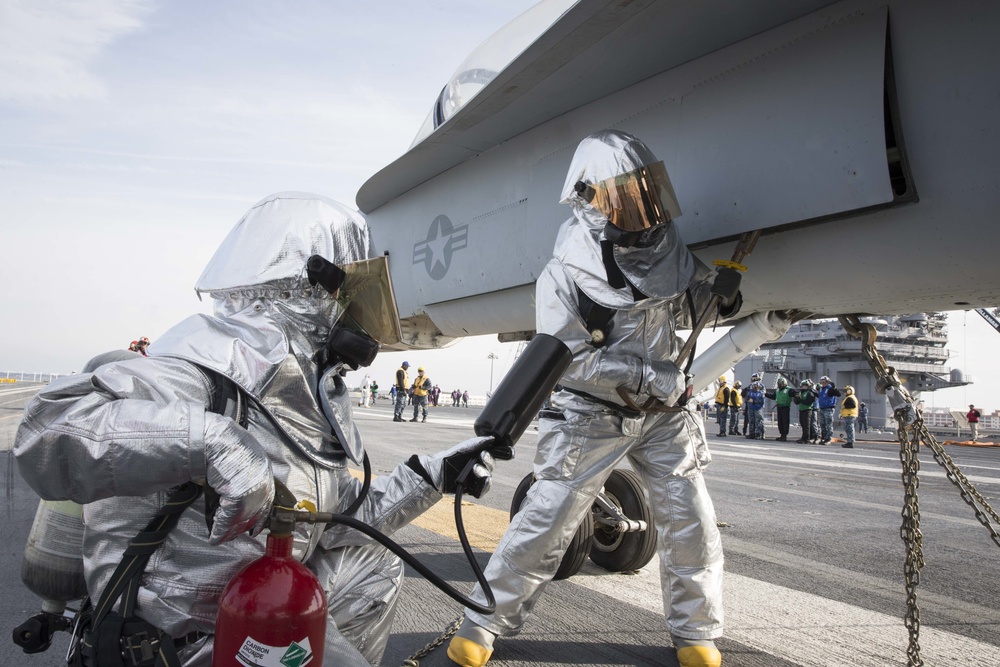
(782, 383)
(755, 377)
(805, 384)
(824, 379)
(848, 390)
(420, 369)
(722, 380)
(617, 175)
(737, 384)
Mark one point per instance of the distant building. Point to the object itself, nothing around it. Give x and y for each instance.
(913, 344)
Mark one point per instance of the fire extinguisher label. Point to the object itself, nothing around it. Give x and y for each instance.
(257, 654)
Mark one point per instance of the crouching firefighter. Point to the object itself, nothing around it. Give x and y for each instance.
(235, 404)
(619, 285)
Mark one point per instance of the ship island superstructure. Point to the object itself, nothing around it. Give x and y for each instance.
(914, 344)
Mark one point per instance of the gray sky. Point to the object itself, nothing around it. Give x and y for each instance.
(133, 135)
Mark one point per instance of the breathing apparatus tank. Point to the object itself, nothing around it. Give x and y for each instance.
(273, 612)
(52, 567)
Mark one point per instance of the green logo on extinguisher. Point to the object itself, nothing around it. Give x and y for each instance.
(296, 656)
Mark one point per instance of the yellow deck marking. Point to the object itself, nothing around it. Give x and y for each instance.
(484, 526)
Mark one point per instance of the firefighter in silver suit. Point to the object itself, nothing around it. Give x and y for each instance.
(118, 438)
(623, 398)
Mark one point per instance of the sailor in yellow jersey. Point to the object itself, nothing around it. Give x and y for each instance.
(722, 406)
(421, 387)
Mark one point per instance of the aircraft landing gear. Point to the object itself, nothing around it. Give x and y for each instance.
(624, 537)
(579, 548)
(617, 533)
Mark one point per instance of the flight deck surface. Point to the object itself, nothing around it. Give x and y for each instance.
(811, 536)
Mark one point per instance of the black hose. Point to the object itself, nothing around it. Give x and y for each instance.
(409, 559)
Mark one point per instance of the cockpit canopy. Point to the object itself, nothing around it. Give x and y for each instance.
(492, 56)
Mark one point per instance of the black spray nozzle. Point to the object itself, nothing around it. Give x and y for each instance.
(327, 274)
(522, 393)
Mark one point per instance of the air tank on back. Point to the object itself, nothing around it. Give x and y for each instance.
(52, 567)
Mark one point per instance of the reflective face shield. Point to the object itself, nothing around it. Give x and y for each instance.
(635, 201)
(369, 320)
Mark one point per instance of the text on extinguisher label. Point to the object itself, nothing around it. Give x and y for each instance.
(257, 654)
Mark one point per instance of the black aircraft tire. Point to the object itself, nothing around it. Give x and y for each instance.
(625, 552)
(578, 550)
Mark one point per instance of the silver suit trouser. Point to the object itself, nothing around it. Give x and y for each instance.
(574, 459)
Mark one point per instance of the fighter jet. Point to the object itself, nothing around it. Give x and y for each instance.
(859, 136)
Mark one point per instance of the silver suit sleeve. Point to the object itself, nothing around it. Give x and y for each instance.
(80, 442)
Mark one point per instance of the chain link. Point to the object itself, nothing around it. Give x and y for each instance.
(966, 489)
(909, 531)
(911, 431)
(414, 660)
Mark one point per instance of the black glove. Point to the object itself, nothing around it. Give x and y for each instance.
(443, 470)
(727, 285)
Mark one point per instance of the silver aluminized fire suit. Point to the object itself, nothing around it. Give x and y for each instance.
(119, 438)
(576, 454)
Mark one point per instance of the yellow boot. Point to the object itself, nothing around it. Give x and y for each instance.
(471, 646)
(699, 656)
(697, 652)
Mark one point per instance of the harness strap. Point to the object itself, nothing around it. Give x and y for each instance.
(142, 547)
(111, 639)
(614, 407)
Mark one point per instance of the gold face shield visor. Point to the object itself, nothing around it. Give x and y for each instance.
(637, 200)
(368, 301)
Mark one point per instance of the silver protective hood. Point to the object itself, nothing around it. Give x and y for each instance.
(269, 322)
(663, 270)
(268, 248)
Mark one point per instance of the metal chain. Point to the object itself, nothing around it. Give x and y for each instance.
(911, 432)
(966, 489)
(414, 660)
(909, 531)
(909, 444)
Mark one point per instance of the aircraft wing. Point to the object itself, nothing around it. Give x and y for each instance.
(816, 122)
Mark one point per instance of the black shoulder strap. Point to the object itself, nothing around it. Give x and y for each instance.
(122, 638)
(228, 399)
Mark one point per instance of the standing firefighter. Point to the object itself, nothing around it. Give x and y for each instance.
(619, 255)
(117, 439)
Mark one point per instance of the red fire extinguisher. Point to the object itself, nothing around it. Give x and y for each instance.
(273, 612)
